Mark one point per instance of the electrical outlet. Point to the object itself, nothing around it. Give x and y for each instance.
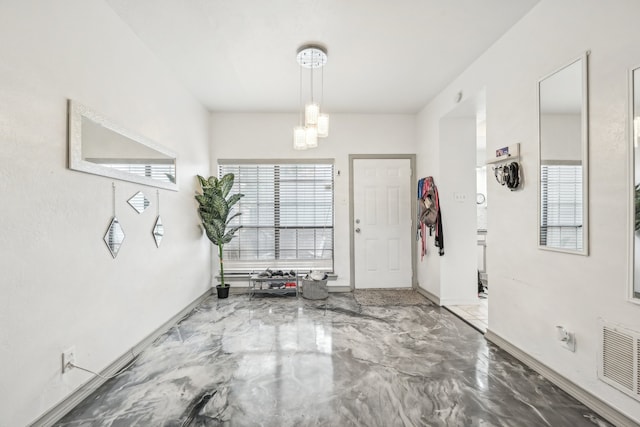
(68, 359)
(570, 342)
(567, 338)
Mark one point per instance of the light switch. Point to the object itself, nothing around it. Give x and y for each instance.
(459, 197)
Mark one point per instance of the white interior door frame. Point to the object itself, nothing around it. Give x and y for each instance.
(412, 189)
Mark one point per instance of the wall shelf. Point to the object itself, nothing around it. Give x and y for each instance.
(505, 154)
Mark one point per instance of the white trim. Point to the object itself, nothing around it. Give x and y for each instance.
(445, 302)
(591, 401)
(413, 188)
(631, 212)
(432, 297)
(58, 411)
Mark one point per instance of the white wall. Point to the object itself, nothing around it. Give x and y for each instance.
(457, 190)
(533, 290)
(481, 188)
(60, 286)
(269, 136)
(428, 164)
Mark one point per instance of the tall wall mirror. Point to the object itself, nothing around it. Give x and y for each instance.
(100, 147)
(635, 188)
(563, 159)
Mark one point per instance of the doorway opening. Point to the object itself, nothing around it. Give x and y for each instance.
(470, 300)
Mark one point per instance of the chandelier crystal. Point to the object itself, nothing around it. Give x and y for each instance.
(316, 123)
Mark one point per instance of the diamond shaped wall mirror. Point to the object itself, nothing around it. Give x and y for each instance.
(158, 231)
(114, 237)
(139, 202)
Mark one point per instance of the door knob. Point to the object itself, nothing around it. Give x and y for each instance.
(357, 230)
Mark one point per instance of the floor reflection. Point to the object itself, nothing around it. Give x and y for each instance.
(287, 361)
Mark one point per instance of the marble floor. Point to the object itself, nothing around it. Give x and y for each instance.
(287, 361)
(477, 315)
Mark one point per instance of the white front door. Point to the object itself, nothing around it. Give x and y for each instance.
(382, 223)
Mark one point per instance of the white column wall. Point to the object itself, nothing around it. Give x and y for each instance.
(59, 285)
(532, 290)
(270, 136)
(457, 191)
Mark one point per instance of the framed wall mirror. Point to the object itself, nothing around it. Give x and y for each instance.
(634, 194)
(563, 166)
(100, 147)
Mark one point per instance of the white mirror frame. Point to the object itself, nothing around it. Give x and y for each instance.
(76, 162)
(631, 210)
(585, 158)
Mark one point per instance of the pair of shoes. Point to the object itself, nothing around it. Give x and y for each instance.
(266, 273)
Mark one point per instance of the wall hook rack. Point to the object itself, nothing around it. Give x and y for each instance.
(508, 169)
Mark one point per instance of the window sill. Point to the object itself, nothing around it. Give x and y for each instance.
(243, 277)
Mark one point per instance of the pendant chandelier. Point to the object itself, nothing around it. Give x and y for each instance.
(316, 123)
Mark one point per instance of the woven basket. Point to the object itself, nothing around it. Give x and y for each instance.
(314, 289)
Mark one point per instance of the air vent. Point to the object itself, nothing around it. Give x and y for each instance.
(619, 364)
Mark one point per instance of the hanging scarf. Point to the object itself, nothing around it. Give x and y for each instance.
(429, 201)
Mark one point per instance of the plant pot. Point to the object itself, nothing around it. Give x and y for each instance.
(223, 291)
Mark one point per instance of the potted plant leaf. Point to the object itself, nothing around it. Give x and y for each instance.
(214, 209)
(637, 207)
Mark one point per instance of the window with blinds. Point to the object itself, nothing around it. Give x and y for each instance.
(287, 216)
(561, 206)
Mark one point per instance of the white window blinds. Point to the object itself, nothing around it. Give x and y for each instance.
(287, 216)
(561, 206)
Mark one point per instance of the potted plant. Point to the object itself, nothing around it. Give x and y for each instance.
(214, 208)
(637, 207)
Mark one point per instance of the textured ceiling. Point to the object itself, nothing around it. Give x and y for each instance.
(384, 56)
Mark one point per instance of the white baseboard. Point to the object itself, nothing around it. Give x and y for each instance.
(428, 295)
(591, 401)
(67, 404)
(450, 302)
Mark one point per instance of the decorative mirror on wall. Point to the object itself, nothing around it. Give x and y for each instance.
(139, 202)
(114, 237)
(158, 227)
(634, 102)
(100, 147)
(563, 159)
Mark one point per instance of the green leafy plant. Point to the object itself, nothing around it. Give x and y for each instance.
(637, 204)
(214, 208)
